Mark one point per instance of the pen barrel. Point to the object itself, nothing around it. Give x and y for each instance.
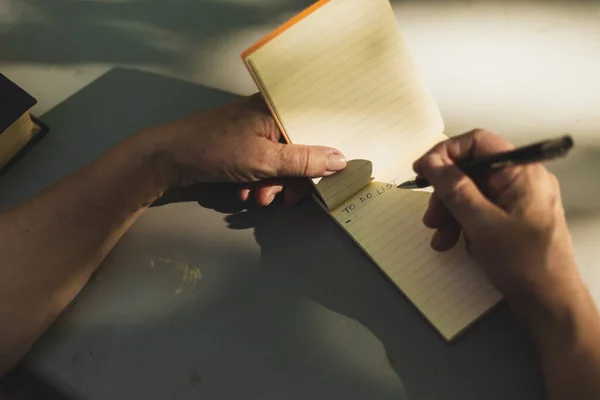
(524, 155)
(501, 160)
(422, 182)
(477, 167)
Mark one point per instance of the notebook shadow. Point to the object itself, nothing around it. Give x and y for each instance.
(305, 252)
(221, 197)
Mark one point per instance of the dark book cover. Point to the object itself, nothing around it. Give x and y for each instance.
(14, 102)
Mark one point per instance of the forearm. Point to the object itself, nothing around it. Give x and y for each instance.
(51, 244)
(565, 327)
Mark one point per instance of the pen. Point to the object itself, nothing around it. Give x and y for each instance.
(541, 151)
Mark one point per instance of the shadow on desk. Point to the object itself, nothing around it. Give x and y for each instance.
(288, 307)
(308, 254)
(157, 32)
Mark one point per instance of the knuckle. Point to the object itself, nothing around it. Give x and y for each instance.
(554, 180)
(296, 162)
(267, 123)
(540, 176)
(264, 165)
(555, 189)
(455, 192)
(439, 148)
(480, 134)
(306, 159)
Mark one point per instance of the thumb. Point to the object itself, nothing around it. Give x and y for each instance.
(459, 193)
(296, 160)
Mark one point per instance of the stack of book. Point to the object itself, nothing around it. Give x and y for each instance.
(19, 130)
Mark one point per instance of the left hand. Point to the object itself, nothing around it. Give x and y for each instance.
(239, 142)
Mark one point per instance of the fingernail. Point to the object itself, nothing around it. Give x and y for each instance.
(336, 162)
(244, 194)
(438, 242)
(270, 199)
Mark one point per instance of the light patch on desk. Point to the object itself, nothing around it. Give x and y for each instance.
(190, 276)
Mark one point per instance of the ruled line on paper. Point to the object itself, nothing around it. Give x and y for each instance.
(355, 89)
(326, 54)
(336, 188)
(331, 112)
(335, 73)
(308, 34)
(439, 284)
(328, 184)
(332, 40)
(336, 77)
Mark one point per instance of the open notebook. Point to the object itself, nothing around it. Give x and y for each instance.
(339, 74)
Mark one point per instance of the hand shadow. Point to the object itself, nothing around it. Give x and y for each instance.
(221, 197)
(305, 252)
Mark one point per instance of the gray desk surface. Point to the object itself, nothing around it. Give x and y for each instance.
(201, 301)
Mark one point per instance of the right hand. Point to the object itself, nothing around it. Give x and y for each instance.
(517, 231)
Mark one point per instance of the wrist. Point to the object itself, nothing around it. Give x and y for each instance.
(554, 304)
(156, 156)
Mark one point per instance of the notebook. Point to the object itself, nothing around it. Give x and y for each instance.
(339, 74)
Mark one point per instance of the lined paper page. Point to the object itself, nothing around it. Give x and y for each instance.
(337, 188)
(448, 288)
(343, 77)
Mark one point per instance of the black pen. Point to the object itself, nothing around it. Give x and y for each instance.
(541, 151)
